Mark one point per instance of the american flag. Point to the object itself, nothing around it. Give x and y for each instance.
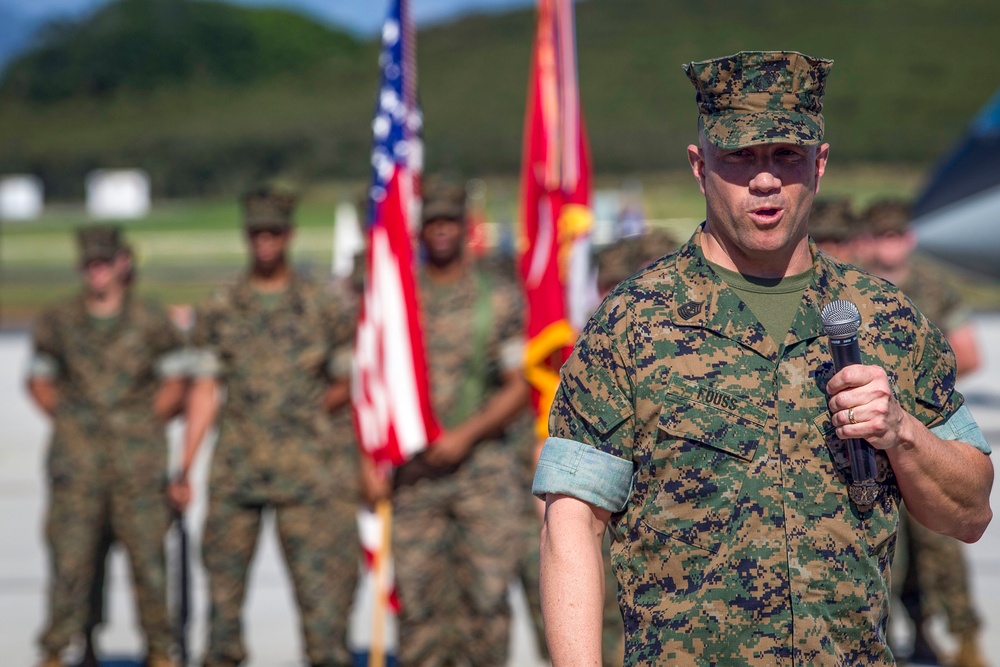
(555, 200)
(390, 396)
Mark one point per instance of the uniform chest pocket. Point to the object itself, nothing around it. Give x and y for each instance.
(701, 460)
(877, 523)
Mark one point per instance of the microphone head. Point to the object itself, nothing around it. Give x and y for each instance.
(841, 319)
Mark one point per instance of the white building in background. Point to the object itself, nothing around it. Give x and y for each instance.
(21, 197)
(118, 193)
(348, 240)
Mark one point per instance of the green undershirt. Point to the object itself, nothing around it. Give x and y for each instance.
(269, 300)
(773, 300)
(102, 323)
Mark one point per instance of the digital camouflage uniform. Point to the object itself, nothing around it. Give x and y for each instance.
(107, 463)
(940, 575)
(735, 542)
(615, 263)
(456, 538)
(278, 448)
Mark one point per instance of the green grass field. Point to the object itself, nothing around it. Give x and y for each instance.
(184, 248)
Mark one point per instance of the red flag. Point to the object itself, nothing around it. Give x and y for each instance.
(390, 392)
(555, 198)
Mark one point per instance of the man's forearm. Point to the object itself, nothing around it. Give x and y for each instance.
(169, 399)
(945, 483)
(572, 580)
(337, 395)
(199, 415)
(43, 393)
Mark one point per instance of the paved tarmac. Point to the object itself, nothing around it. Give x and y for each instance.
(270, 619)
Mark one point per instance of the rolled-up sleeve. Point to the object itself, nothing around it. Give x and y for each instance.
(575, 469)
(589, 454)
(42, 366)
(202, 363)
(962, 427)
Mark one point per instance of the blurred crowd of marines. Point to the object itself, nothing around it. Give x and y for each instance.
(267, 360)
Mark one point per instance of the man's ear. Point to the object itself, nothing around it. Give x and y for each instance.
(696, 158)
(822, 155)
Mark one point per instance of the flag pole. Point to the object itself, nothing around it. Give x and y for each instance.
(376, 653)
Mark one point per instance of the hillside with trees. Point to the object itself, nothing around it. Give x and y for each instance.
(208, 97)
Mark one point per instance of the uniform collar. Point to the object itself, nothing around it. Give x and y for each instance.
(82, 317)
(245, 297)
(702, 299)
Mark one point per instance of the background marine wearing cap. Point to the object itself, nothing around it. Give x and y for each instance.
(932, 575)
(456, 540)
(272, 341)
(107, 370)
(700, 419)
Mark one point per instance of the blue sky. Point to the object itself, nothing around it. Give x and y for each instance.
(361, 16)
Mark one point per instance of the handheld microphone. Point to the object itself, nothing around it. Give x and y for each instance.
(841, 320)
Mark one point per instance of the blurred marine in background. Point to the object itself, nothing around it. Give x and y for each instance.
(108, 370)
(457, 505)
(274, 343)
(930, 573)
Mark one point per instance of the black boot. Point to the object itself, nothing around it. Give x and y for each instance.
(924, 652)
(89, 654)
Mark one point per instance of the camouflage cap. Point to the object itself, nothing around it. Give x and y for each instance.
(760, 97)
(443, 200)
(832, 220)
(99, 243)
(268, 207)
(888, 216)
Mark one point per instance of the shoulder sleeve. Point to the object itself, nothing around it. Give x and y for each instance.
(956, 313)
(207, 314)
(595, 397)
(45, 337)
(509, 314)
(203, 357)
(340, 315)
(163, 336)
(589, 452)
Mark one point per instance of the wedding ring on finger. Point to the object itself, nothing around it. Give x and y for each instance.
(850, 416)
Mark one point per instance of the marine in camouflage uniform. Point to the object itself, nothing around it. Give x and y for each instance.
(707, 432)
(103, 369)
(930, 572)
(271, 341)
(457, 506)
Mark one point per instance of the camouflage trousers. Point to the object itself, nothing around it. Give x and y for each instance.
(82, 516)
(319, 540)
(932, 577)
(97, 598)
(612, 626)
(457, 540)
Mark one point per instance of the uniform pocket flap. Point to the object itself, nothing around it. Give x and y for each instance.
(713, 429)
(598, 400)
(712, 417)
